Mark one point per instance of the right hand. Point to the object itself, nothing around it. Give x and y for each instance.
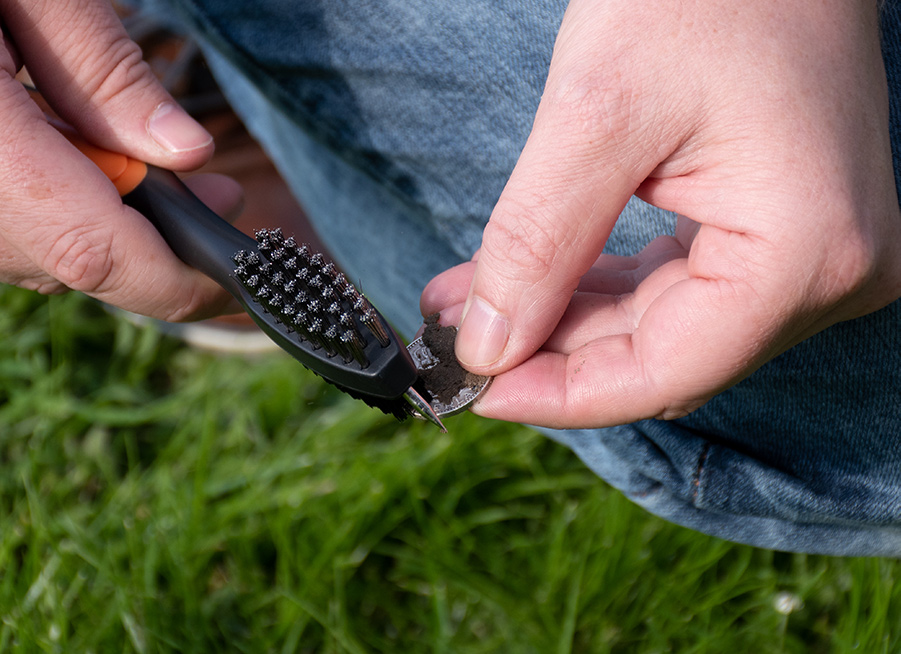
(62, 224)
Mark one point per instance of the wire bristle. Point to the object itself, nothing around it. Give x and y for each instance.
(309, 296)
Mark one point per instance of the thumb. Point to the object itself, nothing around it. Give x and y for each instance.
(572, 180)
(93, 75)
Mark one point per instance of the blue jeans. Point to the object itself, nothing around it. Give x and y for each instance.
(397, 123)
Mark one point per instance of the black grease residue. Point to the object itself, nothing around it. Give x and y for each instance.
(446, 378)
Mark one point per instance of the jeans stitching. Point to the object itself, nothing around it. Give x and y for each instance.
(702, 460)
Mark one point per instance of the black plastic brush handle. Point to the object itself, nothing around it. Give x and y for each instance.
(196, 234)
(205, 241)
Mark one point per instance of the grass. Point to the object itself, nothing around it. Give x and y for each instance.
(154, 498)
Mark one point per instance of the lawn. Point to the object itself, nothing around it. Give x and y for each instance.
(154, 498)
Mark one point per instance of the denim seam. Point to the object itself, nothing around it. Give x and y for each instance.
(702, 461)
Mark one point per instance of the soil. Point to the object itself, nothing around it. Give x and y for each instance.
(446, 378)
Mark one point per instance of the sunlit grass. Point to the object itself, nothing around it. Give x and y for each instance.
(154, 498)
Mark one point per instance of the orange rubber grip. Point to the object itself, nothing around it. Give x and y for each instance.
(124, 172)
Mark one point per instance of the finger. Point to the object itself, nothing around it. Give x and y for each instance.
(686, 230)
(18, 270)
(590, 316)
(658, 371)
(613, 274)
(610, 298)
(222, 194)
(588, 151)
(65, 217)
(447, 289)
(10, 60)
(610, 274)
(94, 77)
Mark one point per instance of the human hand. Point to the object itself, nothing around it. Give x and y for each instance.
(765, 125)
(62, 224)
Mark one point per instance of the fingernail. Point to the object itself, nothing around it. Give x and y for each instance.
(483, 334)
(175, 130)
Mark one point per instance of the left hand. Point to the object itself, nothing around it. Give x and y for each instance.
(765, 125)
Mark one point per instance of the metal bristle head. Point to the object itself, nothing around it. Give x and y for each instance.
(310, 297)
(314, 306)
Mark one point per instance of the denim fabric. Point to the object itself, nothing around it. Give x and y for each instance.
(397, 123)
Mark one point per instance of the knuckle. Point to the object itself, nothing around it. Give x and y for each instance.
(524, 240)
(44, 286)
(19, 271)
(591, 104)
(676, 399)
(81, 258)
(194, 307)
(854, 265)
(677, 412)
(849, 272)
(122, 69)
